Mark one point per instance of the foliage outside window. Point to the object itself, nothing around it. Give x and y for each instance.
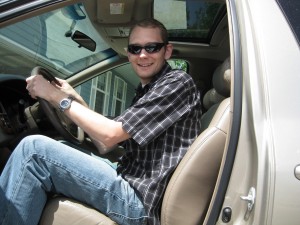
(178, 64)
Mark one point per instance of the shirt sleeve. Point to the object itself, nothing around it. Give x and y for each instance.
(163, 105)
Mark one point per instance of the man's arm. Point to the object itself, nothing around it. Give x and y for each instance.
(105, 133)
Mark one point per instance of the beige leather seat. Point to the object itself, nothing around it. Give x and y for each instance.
(189, 191)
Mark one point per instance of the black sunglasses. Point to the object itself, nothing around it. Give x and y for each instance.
(150, 48)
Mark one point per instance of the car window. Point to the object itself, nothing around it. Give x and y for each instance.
(46, 41)
(111, 92)
(291, 11)
(192, 21)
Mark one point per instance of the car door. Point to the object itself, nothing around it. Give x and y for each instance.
(260, 177)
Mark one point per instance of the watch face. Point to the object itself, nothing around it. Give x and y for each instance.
(64, 103)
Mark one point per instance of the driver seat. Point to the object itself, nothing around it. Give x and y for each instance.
(190, 189)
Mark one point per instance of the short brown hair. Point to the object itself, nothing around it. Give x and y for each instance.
(152, 23)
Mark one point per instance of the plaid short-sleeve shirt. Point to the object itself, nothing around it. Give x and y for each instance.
(163, 123)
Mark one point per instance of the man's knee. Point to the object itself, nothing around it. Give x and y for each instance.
(32, 144)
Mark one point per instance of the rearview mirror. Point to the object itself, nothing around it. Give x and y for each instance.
(84, 41)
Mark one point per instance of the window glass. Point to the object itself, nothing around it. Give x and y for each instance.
(119, 99)
(291, 9)
(110, 93)
(99, 102)
(101, 91)
(45, 40)
(192, 20)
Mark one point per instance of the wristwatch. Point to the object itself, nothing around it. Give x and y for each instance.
(65, 103)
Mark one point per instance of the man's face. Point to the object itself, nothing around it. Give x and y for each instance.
(145, 64)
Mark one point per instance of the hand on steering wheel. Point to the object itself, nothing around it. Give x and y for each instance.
(60, 122)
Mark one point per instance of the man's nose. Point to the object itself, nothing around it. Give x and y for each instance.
(143, 53)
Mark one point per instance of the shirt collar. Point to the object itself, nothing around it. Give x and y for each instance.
(141, 91)
(164, 70)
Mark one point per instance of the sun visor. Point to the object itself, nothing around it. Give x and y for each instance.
(119, 11)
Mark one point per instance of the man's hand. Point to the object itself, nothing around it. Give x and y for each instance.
(38, 86)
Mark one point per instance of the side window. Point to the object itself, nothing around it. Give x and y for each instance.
(291, 12)
(110, 93)
(119, 98)
(100, 92)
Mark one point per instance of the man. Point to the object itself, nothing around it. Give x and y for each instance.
(156, 131)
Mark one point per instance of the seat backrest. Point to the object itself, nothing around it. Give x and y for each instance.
(189, 191)
(190, 188)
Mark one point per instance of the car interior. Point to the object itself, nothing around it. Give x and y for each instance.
(205, 55)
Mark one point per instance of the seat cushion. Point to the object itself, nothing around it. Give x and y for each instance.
(72, 213)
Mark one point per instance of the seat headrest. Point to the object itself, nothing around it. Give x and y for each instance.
(222, 78)
(221, 85)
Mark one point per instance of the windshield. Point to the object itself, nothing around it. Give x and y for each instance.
(46, 40)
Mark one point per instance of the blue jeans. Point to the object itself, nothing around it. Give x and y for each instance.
(40, 165)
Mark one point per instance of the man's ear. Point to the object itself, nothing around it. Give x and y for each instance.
(168, 52)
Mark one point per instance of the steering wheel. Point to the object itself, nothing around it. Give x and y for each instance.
(60, 122)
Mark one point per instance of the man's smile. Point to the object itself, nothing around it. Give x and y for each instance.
(145, 65)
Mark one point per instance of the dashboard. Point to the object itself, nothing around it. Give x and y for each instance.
(21, 115)
(14, 99)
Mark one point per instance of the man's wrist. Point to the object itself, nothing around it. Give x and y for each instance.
(65, 103)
